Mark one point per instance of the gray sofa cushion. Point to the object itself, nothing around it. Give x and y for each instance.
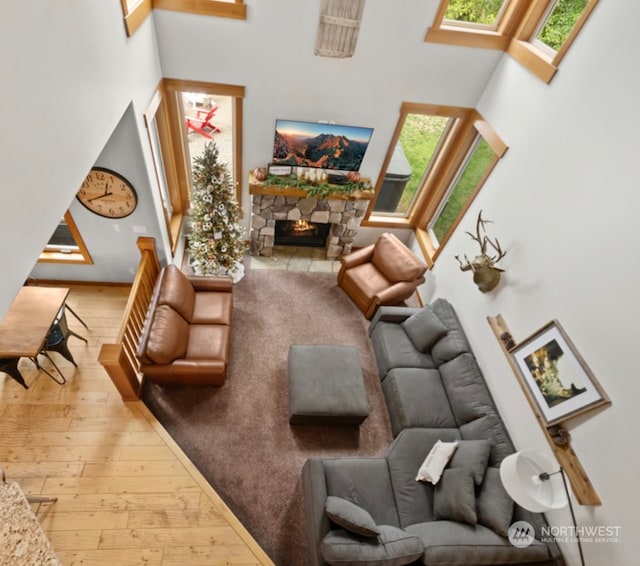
(416, 398)
(454, 342)
(449, 542)
(454, 497)
(424, 328)
(490, 427)
(394, 547)
(365, 482)
(494, 507)
(393, 348)
(414, 499)
(466, 388)
(473, 455)
(351, 517)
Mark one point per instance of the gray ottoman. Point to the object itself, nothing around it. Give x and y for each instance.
(326, 385)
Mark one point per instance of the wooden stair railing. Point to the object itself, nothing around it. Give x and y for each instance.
(119, 359)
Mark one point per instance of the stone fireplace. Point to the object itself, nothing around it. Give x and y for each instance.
(343, 214)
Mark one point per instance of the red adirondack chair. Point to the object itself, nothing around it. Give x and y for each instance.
(202, 124)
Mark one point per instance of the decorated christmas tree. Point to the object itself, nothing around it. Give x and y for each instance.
(215, 243)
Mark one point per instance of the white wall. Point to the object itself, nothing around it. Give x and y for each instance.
(565, 204)
(272, 55)
(69, 73)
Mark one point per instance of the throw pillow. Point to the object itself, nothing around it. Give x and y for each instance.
(350, 516)
(424, 328)
(494, 506)
(474, 455)
(435, 462)
(168, 336)
(394, 547)
(454, 498)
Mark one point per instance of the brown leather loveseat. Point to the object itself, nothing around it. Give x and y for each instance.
(385, 273)
(187, 334)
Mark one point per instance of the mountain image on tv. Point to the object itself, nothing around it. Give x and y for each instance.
(324, 146)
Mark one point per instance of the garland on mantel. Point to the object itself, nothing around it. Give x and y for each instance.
(314, 189)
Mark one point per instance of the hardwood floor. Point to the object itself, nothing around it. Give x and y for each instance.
(126, 492)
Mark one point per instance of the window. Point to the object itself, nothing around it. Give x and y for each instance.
(486, 13)
(419, 141)
(536, 33)
(66, 244)
(467, 181)
(446, 155)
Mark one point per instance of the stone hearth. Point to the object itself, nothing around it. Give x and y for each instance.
(344, 215)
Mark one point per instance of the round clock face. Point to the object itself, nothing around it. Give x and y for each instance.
(107, 193)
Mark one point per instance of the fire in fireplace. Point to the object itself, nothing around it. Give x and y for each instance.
(301, 233)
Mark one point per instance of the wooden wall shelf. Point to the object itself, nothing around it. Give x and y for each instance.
(582, 487)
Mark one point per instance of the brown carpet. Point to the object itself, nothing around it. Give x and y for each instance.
(238, 435)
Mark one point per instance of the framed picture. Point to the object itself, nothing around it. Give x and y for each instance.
(555, 376)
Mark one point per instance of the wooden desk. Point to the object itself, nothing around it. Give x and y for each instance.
(26, 325)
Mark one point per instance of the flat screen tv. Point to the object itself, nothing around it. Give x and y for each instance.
(324, 146)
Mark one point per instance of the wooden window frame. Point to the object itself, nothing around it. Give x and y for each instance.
(173, 161)
(236, 9)
(80, 257)
(135, 12)
(513, 34)
(446, 165)
(543, 63)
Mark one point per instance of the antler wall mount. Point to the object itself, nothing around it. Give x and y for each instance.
(485, 273)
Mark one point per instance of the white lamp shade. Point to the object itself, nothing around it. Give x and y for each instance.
(520, 475)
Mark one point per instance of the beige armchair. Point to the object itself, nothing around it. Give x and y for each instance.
(384, 273)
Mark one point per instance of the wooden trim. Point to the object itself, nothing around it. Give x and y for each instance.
(580, 484)
(489, 135)
(134, 18)
(236, 10)
(238, 168)
(204, 485)
(433, 110)
(182, 85)
(119, 359)
(532, 59)
(467, 37)
(426, 245)
(157, 111)
(378, 221)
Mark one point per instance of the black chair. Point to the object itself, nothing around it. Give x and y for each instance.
(10, 367)
(57, 340)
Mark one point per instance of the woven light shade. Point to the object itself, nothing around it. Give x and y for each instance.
(338, 28)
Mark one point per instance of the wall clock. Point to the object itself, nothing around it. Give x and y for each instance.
(107, 193)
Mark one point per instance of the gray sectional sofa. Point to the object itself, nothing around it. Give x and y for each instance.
(373, 511)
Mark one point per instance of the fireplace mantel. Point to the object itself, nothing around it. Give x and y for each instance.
(258, 188)
(270, 203)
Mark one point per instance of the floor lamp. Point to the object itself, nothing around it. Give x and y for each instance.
(528, 480)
